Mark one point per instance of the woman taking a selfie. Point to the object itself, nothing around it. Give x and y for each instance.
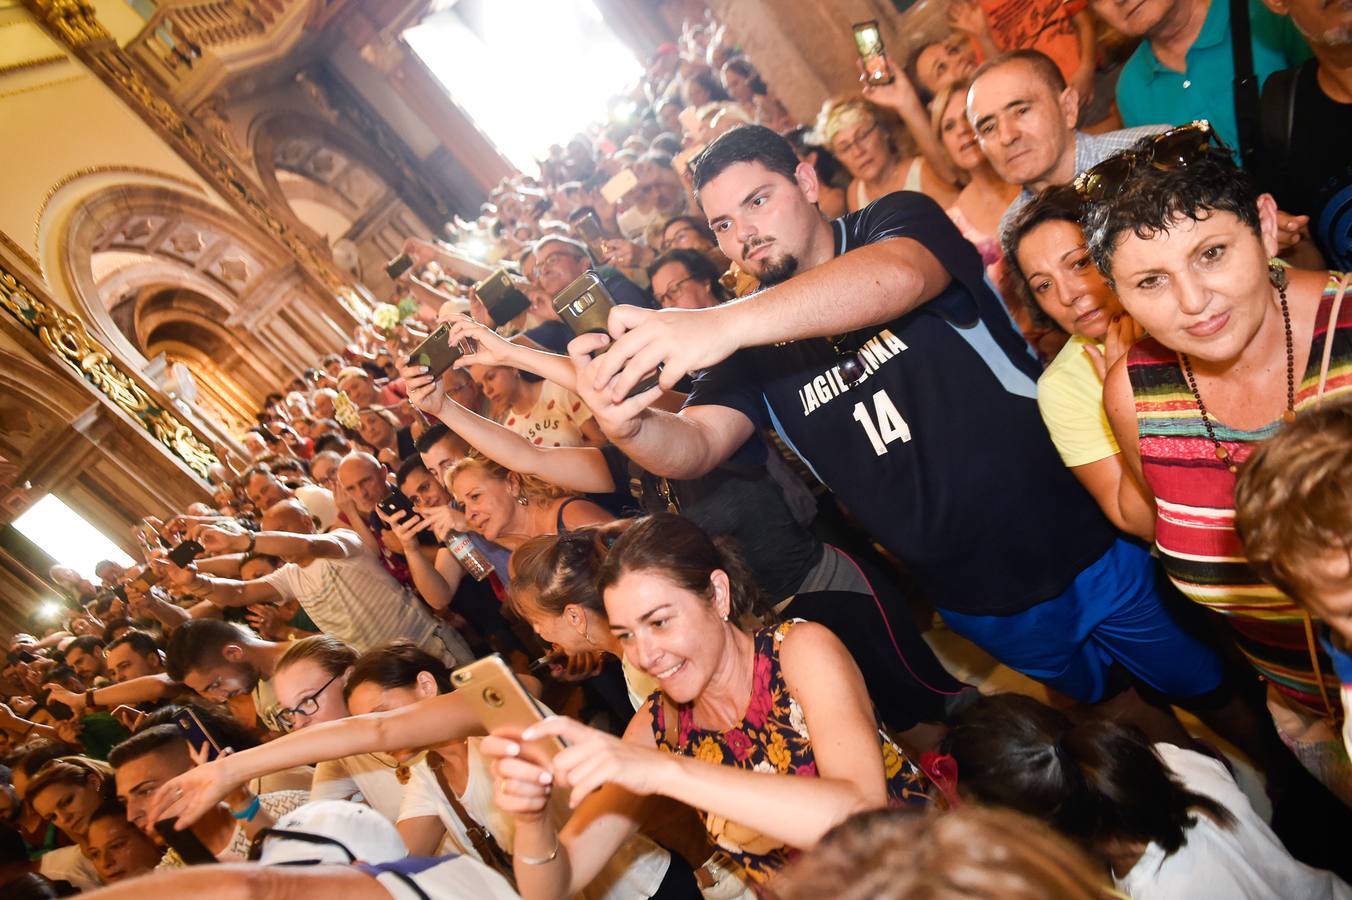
(729, 734)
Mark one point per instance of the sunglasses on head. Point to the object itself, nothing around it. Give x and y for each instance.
(1176, 148)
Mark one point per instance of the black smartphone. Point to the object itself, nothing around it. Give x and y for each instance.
(185, 553)
(436, 353)
(584, 306)
(398, 266)
(396, 501)
(868, 40)
(186, 844)
(197, 734)
(503, 300)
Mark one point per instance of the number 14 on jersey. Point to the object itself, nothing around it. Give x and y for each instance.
(884, 425)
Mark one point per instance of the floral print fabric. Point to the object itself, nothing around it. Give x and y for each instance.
(773, 738)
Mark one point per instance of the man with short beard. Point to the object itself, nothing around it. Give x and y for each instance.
(880, 354)
(1312, 175)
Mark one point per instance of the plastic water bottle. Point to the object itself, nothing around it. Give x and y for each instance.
(474, 560)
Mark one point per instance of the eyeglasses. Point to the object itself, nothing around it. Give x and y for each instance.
(256, 845)
(845, 147)
(668, 297)
(306, 707)
(1176, 148)
(549, 262)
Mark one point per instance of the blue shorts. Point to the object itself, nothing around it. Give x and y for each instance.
(1111, 613)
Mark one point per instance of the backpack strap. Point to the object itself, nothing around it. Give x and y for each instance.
(1246, 82)
(1277, 117)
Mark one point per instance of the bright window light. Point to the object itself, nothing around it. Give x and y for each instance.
(67, 538)
(531, 72)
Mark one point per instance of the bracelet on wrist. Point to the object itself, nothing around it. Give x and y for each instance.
(540, 860)
(89, 699)
(250, 811)
(253, 539)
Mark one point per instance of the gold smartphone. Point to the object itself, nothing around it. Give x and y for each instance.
(493, 689)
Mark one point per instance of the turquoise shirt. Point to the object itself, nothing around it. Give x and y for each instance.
(1148, 92)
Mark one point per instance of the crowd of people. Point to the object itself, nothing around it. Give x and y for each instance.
(1052, 354)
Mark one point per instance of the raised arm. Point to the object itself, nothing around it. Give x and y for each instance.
(428, 723)
(579, 469)
(673, 445)
(900, 96)
(128, 693)
(882, 281)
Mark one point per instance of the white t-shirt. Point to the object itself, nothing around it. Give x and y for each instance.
(69, 864)
(450, 877)
(1243, 862)
(362, 776)
(636, 869)
(357, 601)
(555, 420)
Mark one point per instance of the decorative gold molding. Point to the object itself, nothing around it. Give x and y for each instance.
(66, 337)
(32, 63)
(75, 22)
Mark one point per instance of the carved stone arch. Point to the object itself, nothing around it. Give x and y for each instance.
(132, 257)
(334, 186)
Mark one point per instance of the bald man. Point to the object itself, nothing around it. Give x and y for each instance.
(338, 580)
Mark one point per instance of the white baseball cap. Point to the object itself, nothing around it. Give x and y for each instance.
(366, 834)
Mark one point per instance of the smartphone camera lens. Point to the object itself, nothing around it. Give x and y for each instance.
(493, 698)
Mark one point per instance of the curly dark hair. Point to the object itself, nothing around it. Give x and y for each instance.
(1155, 200)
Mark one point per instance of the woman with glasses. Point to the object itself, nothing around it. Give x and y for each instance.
(1238, 345)
(309, 682)
(450, 790)
(686, 279)
(866, 137)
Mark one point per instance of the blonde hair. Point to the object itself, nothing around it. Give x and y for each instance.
(535, 490)
(841, 113)
(324, 650)
(970, 853)
(76, 770)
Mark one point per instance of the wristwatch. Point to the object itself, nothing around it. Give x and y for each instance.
(89, 699)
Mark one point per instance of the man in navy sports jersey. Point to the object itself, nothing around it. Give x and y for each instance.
(879, 353)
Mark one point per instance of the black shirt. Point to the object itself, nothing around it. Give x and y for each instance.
(1315, 177)
(739, 500)
(939, 451)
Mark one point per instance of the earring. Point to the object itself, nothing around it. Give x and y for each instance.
(725, 618)
(1278, 276)
(521, 498)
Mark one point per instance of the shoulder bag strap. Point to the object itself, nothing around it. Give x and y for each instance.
(1343, 284)
(480, 837)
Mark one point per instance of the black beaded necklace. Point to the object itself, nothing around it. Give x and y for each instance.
(1279, 281)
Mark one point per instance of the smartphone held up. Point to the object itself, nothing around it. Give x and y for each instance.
(584, 306)
(868, 40)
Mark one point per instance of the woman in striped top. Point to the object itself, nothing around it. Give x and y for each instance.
(1237, 348)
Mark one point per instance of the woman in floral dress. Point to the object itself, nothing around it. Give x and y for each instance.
(730, 733)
